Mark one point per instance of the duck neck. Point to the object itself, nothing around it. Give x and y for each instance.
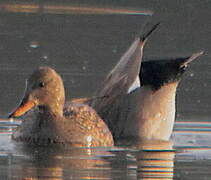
(55, 109)
(56, 104)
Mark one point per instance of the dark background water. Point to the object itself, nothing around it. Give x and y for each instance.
(84, 48)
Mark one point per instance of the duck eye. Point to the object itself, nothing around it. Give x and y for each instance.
(41, 84)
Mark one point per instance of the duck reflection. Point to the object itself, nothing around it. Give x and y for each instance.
(145, 160)
(59, 163)
(155, 160)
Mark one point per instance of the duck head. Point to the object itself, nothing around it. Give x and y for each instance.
(44, 88)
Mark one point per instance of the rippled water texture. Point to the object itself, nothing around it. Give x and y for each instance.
(189, 157)
(83, 41)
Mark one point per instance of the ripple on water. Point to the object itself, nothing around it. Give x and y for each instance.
(188, 158)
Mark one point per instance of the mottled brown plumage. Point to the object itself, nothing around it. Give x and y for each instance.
(50, 123)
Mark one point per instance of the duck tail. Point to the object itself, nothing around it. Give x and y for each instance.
(146, 34)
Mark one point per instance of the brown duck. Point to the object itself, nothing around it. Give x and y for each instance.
(47, 122)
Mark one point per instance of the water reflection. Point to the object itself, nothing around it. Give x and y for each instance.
(130, 159)
(58, 8)
(156, 161)
(139, 160)
(58, 163)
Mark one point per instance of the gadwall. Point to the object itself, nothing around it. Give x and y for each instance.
(154, 110)
(140, 97)
(47, 122)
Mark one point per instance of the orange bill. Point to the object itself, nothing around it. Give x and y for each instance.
(23, 109)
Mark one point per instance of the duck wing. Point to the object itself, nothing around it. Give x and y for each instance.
(121, 80)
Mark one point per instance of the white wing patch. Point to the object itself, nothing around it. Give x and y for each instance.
(134, 86)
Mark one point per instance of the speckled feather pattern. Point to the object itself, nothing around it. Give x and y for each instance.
(49, 122)
(81, 126)
(86, 120)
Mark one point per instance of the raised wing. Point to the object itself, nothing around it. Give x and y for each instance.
(124, 77)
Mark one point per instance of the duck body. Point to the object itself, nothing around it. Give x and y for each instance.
(48, 122)
(41, 127)
(143, 114)
(151, 114)
(141, 102)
